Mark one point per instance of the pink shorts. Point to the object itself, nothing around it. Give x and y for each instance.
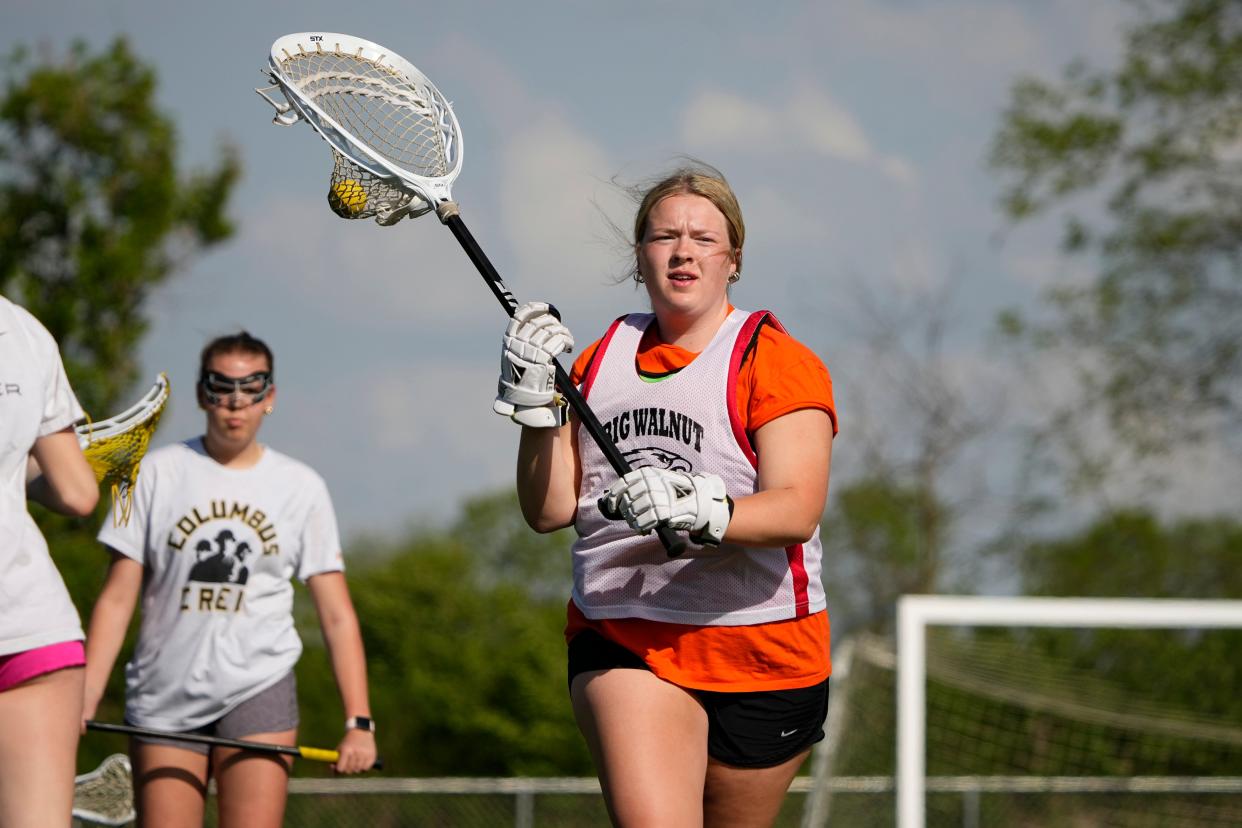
(18, 667)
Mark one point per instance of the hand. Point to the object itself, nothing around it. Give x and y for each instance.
(358, 752)
(90, 705)
(647, 497)
(526, 392)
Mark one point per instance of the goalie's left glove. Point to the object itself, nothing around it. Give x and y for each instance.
(526, 392)
(647, 497)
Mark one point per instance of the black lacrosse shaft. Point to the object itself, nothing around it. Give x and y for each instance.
(202, 738)
(673, 544)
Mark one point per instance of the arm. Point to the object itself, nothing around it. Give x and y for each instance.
(109, 620)
(341, 633)
(795, 452)
(59, 477)
(547, 465)
(548, 477)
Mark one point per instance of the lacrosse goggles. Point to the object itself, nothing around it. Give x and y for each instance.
(238, 392)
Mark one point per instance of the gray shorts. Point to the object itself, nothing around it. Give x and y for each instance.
(270, 711)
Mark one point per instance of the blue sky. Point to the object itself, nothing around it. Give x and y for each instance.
(854, 132)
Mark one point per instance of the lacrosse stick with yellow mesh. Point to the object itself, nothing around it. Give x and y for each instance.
(105, 796)
(114, 447)
(396, 149)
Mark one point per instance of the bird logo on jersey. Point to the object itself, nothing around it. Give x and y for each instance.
(658, 458)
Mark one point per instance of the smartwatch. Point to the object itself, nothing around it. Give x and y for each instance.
(360, 723)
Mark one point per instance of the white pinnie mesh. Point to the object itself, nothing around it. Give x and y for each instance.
(400, 119)
(354, 193)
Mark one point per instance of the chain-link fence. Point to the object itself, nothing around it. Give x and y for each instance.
(485, 803)
(854, 802)
(526, 802)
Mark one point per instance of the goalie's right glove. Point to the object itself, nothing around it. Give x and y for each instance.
(647, 497)
(526, 392)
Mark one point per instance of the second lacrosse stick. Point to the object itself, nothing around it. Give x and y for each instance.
(312, 753)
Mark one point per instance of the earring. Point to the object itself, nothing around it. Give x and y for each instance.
(638, 276)
(734, 276)
(267, 410)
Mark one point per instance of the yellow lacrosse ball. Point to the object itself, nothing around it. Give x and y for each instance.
(347, 198)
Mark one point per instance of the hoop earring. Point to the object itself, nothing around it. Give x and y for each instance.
(638, 277)
(734, 276)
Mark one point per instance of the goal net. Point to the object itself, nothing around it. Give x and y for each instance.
(1044, 712)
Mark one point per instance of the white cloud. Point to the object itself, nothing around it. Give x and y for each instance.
(1037, 270)
(978, 43)
(772, 217)
(971, 32)
(1043, 268)
(721, 120)
(1192, 479)
(915, 266)
(808, 120)
(827, 127)
(900, 170)
(361, 272)
(549, 188)
(436, 404)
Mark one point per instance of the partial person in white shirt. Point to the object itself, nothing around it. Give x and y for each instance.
(220, 525)
(41, 653)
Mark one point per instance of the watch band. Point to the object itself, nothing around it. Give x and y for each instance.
(360, 723)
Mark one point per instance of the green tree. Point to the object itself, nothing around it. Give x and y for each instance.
(918, 430)
(1142, 160)
(1132, 554)
(882, 539)
(94, 211)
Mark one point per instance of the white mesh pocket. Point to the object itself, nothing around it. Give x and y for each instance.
(355, 193)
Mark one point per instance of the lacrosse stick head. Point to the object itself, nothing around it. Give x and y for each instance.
(105, 796)
(395, 141)
(114, 447)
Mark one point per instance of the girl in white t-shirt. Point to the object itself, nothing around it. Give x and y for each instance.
(40, 634)
(220, 524)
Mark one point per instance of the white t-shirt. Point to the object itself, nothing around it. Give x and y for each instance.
(220, 547)
(35, 401)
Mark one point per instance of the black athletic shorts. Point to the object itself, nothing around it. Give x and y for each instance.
(747, 730)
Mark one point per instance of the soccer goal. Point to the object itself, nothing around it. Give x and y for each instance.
(1068, 711)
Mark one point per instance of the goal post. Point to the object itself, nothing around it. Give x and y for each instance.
(915, 613)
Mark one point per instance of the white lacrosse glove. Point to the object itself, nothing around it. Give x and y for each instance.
(526, 392)
(647, 497)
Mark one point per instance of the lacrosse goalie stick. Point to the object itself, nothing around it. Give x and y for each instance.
(105, 796)
(397, 149)
(312, 753)
(114, 447)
